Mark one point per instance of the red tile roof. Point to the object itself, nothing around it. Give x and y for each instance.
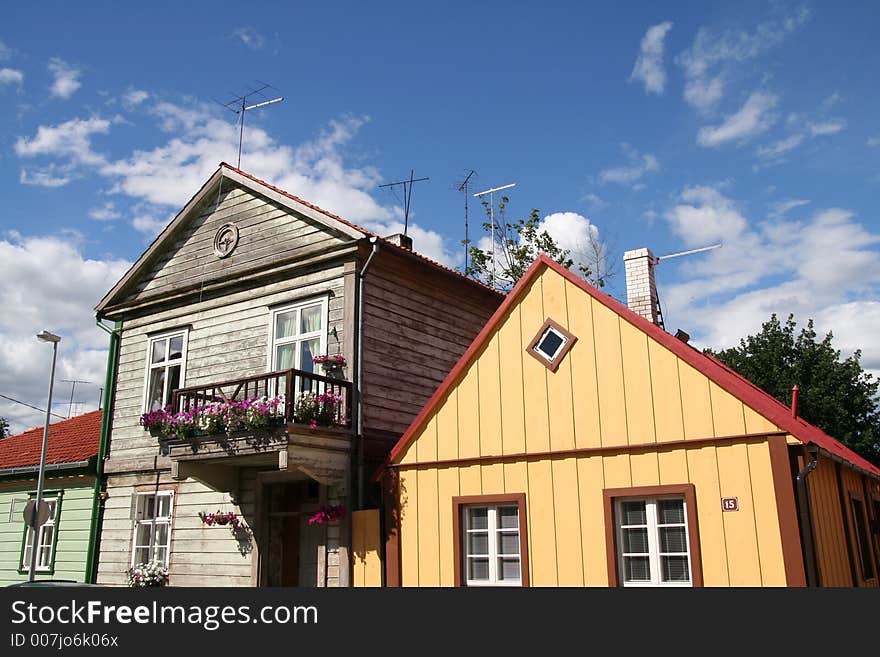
(725, 377)
(69, 441)
(366, 233)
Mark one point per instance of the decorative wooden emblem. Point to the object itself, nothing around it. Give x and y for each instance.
(225, 240)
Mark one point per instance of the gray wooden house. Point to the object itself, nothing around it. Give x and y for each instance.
(231, 302)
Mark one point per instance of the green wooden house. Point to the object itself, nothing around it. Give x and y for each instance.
(66, 541)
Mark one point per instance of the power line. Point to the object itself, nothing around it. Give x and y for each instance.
(31, 406)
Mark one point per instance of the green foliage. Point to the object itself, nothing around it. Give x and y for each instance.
(836, 395)
(4, 428)
(517, 245)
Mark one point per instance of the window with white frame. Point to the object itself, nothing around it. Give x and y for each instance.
(653, 542)
(45, 540)
(166, 360)
(152, 527)
(299, 333)
(550, 343)
(491, 547)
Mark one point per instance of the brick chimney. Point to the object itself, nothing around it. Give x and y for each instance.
(641, 289)
(401, 240)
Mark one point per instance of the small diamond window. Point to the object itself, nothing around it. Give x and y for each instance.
(551, 344)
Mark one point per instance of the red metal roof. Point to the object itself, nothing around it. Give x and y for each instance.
(725, 377)
(366, 233)
(69, 441)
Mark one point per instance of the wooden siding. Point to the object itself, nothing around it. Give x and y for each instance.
(365, 541)
(565, 517)
(417, 323)
(837, 550)
(268, 232)
(71, 550)
(656, 420)
(228, 338)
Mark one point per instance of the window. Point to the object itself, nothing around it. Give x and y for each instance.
(45, 540)
(861, 529)
(653, 536)
(490, 541)
(16, 508)
(152, 528)
(166, 360)
(551, 344)
(299, 333)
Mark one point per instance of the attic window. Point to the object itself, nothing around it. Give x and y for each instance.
(551, 344)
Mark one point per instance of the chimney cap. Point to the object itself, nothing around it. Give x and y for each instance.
(399, 239)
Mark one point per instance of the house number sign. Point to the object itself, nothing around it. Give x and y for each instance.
(225, 240)
(730, 504)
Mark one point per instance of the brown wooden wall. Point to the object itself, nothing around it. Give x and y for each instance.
(417, 324)
(837, 549)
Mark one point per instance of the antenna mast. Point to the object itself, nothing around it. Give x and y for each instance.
(407, 195)
(239, 105)
(464, 187)
(491, 193)
(72, 390)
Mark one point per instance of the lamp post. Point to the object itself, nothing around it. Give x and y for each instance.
(44, 336)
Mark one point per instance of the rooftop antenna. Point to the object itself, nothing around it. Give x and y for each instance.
(678, 255)
(491, 193)
(407, 195)
(464, 186)
(72, 390)
(241, 104)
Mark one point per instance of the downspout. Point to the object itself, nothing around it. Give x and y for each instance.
(106, 418)
(360, 372)
(806, 522)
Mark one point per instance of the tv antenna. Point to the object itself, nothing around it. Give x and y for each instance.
(407, 195)
(464, 187)
(491, 193)
(241, 104)
(678, 255)
(72, 390)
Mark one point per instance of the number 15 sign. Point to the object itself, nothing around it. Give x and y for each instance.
(730, 504)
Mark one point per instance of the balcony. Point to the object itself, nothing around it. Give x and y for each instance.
(308, 427)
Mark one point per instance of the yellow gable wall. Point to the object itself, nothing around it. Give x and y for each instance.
(617, 387)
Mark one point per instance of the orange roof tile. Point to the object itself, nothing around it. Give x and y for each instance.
(69, 441)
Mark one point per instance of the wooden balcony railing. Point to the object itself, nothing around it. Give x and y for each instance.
(292, 385)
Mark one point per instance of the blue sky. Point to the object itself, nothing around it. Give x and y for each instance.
(754, 124)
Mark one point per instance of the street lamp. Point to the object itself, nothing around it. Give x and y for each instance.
(43, 336)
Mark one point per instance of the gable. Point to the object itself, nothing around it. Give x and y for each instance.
(616, 386)
(272, 227)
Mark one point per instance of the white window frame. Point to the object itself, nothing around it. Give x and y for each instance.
(139, 520)
(321, 333)
(542, 353)
(165, 335)
(493, 530)
(653, 530)
(51, 523)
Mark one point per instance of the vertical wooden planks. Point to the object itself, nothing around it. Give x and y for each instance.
(637, 380)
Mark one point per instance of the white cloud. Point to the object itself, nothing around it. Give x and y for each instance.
(70, 140)
(753, 118)
(105, 212)
(638, 165)
(134, 97)
(11, 76)
(783, 207)
(148, 224)
(5, 52)
(779, 148)
(66, 80)
(250, 37)
(826, 266)
(708, 61)
(873, 142)
(827, 127)
(44, 178)
(649, 67)
(53, 286)
(595, 201)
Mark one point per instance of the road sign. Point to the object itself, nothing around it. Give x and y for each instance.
(35, 517)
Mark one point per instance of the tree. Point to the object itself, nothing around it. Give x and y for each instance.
(836, 395)
(4, 428)
(517, 245)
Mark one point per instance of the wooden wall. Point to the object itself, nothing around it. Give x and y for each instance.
(417, 324)
(617, 390)
(71, 551)
(365, 548)
(837, 550)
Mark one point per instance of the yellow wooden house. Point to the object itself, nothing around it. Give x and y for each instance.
(577, 443)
